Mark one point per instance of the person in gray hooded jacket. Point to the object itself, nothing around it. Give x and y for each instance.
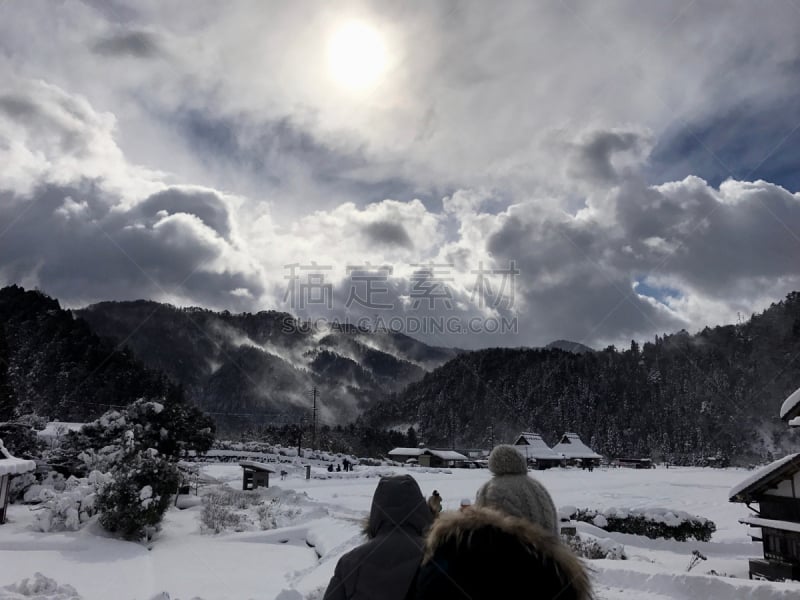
(385, 567)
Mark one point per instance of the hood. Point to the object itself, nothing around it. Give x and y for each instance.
(462, 547)
(398, 501)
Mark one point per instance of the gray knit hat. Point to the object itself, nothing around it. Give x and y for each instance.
(511, 491)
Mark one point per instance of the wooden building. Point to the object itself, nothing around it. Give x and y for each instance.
(430, 457)
(576, 452)
(537, 452)
(254, 474)
(776, 490)
(9, 466)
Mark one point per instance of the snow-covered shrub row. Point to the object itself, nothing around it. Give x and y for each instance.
(592, 547)
(66, 504)
(226, 509)
(650, 522)
(39, 587)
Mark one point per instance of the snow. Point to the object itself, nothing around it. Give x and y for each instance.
(761, 474)
(535, 447)
(323, 519)
(783, 525)
(443, 454)
(255, 465)
(406, 452)
(794, 422)
(10, 465)
(57, 429)
(571, 446)
(791, 404)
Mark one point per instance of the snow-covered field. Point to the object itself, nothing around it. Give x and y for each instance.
(322, 520)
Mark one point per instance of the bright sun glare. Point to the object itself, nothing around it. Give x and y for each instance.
(357, 55)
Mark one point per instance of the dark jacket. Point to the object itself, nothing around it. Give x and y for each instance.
(483, 554)
(385, 567)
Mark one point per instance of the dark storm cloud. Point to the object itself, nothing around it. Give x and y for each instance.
(136, 44)
(592, 156)
(77, 245)
(205, 205)
(388, 234)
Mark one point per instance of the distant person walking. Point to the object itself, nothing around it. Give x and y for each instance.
(386, 565)
(435, 503)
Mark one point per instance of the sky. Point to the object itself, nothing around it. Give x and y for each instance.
(520, 171)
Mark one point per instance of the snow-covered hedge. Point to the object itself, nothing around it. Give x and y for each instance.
(589, 546)
(226, 509)
(65, 504)
(650, 522)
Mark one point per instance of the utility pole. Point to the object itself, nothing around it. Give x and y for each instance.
(314, 419)
(491, 435)
(452, 429)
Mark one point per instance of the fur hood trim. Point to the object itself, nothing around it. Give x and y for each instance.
(458, 527)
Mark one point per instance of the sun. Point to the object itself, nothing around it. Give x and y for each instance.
(357, 55)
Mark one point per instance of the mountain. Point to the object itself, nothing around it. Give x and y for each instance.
(53, 365)
(246, 368)
(680, 397)
(568, 346)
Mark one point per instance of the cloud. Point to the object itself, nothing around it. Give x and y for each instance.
(571, 139)
(136, 44)
(386, 233)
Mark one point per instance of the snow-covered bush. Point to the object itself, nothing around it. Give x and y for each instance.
(134, 502)
(651, 522)
(18, 485)
(227, 509)
(592, 547)
(39, 586)
(68, 507)
(217, 516)
(169, 425)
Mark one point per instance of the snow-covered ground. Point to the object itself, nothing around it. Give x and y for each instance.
(323, 518)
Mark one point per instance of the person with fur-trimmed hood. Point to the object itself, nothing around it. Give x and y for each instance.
(386, 565)
(484, 554)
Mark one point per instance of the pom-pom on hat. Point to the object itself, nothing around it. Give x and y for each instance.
(513, 492)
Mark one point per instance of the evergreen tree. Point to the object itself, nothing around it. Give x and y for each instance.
(7, 400)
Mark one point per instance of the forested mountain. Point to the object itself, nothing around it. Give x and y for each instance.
(247, 369)
(52, 365)
(681, 397)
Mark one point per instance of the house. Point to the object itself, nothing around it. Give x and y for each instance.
(255, 474)
(776, 490)
(10, 465)
(536, 451)
(575, 452)
(429, 457)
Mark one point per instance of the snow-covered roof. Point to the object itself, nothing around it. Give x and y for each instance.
(10, 465)
(763, 477)
(759, 522)
(571, 446)
(531, 445)
(443, 454)
(407, 452)
(447, 454)
(58, 428)
(252, 464)
(791, 406)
